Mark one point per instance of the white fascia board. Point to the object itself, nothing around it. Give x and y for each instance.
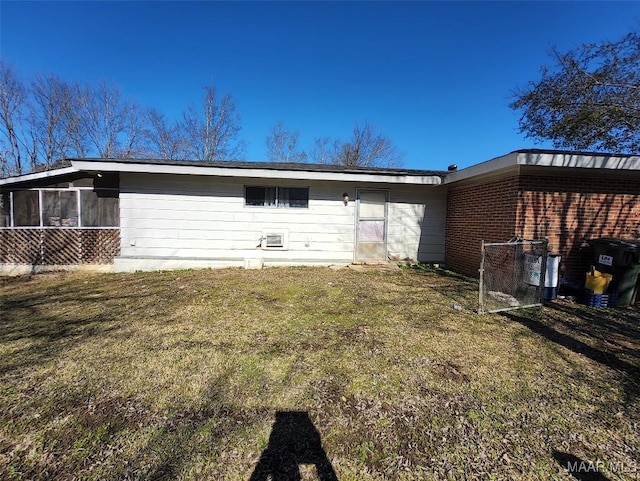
(38, 175)
(98, 166)
(579, 161)
(488, 167)
(514, 160)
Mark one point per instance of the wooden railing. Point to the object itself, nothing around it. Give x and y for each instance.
(64, 246)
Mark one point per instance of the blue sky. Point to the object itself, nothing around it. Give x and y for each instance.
(435, 77)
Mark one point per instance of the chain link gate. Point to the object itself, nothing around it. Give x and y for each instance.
(512, 275)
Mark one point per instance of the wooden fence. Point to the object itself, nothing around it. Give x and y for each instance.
(66, 246)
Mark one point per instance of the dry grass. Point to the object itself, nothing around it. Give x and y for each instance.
(180, 375)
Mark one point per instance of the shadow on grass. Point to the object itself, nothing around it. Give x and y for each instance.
(173, 448)
(461, 293)
(294, 440)
(578, 468)
(608, 359)
(596, 327)
(610, 325)
(46, 323)
(460, 289)
(431, 269)
(107, 437)
(47, 337)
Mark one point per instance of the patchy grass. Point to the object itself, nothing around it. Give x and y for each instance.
(231, 374)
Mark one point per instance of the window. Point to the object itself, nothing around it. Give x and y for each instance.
(100, 208)
(291, 197)
(60, 208)
(261, 196)
(26, 208)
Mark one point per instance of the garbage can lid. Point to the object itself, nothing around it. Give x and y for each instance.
(629, 244)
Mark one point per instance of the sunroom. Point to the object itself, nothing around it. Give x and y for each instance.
(59, 222)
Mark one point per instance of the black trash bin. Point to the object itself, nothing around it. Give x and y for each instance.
(621, 259)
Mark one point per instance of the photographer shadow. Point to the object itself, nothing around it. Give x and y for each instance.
(294, 441)
(578, 468)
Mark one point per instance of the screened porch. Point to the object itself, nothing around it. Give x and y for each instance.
(68, 224)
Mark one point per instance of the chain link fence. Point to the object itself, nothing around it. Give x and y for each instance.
(512, 275)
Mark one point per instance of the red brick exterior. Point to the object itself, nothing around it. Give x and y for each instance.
(566, 209)
(570, 210)
(482, 210)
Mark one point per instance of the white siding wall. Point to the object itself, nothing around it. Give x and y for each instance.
(204, 218)
(416, 227)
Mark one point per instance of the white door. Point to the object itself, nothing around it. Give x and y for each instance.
(371, 232)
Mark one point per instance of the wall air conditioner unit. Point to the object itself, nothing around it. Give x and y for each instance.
(275, 240)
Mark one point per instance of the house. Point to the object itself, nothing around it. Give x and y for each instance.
(567, 197)
(129, 215)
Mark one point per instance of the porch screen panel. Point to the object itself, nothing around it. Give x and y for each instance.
(60, 208)
(68, 209)
(110, 210)
(50, 208)
(26, 208)
(100, 208)
(5, 210)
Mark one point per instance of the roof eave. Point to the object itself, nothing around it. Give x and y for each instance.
(46, 174)
(579, 160)
(514, 161)
(254, 172)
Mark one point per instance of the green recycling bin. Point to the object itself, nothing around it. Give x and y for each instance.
(621, 259)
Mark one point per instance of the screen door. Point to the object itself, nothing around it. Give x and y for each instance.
(371, 235)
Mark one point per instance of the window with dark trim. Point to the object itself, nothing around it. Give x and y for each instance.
(286, 197)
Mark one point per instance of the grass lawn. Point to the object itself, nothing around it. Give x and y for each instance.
(233, 374)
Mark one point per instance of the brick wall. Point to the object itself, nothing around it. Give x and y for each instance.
(569, 210)
(566, 209)
(476, 211)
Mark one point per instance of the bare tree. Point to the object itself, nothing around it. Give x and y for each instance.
(53, 110)
(164, 139)
(47, 119)
(113, 126)
(31, 139)
(324, 150)
(211, 133)
(132, 137)
(282, 145)
(12, 103)
(367, 148)
(77, 132)
(101, 121)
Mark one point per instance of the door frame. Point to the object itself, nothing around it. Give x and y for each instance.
(359, 190)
